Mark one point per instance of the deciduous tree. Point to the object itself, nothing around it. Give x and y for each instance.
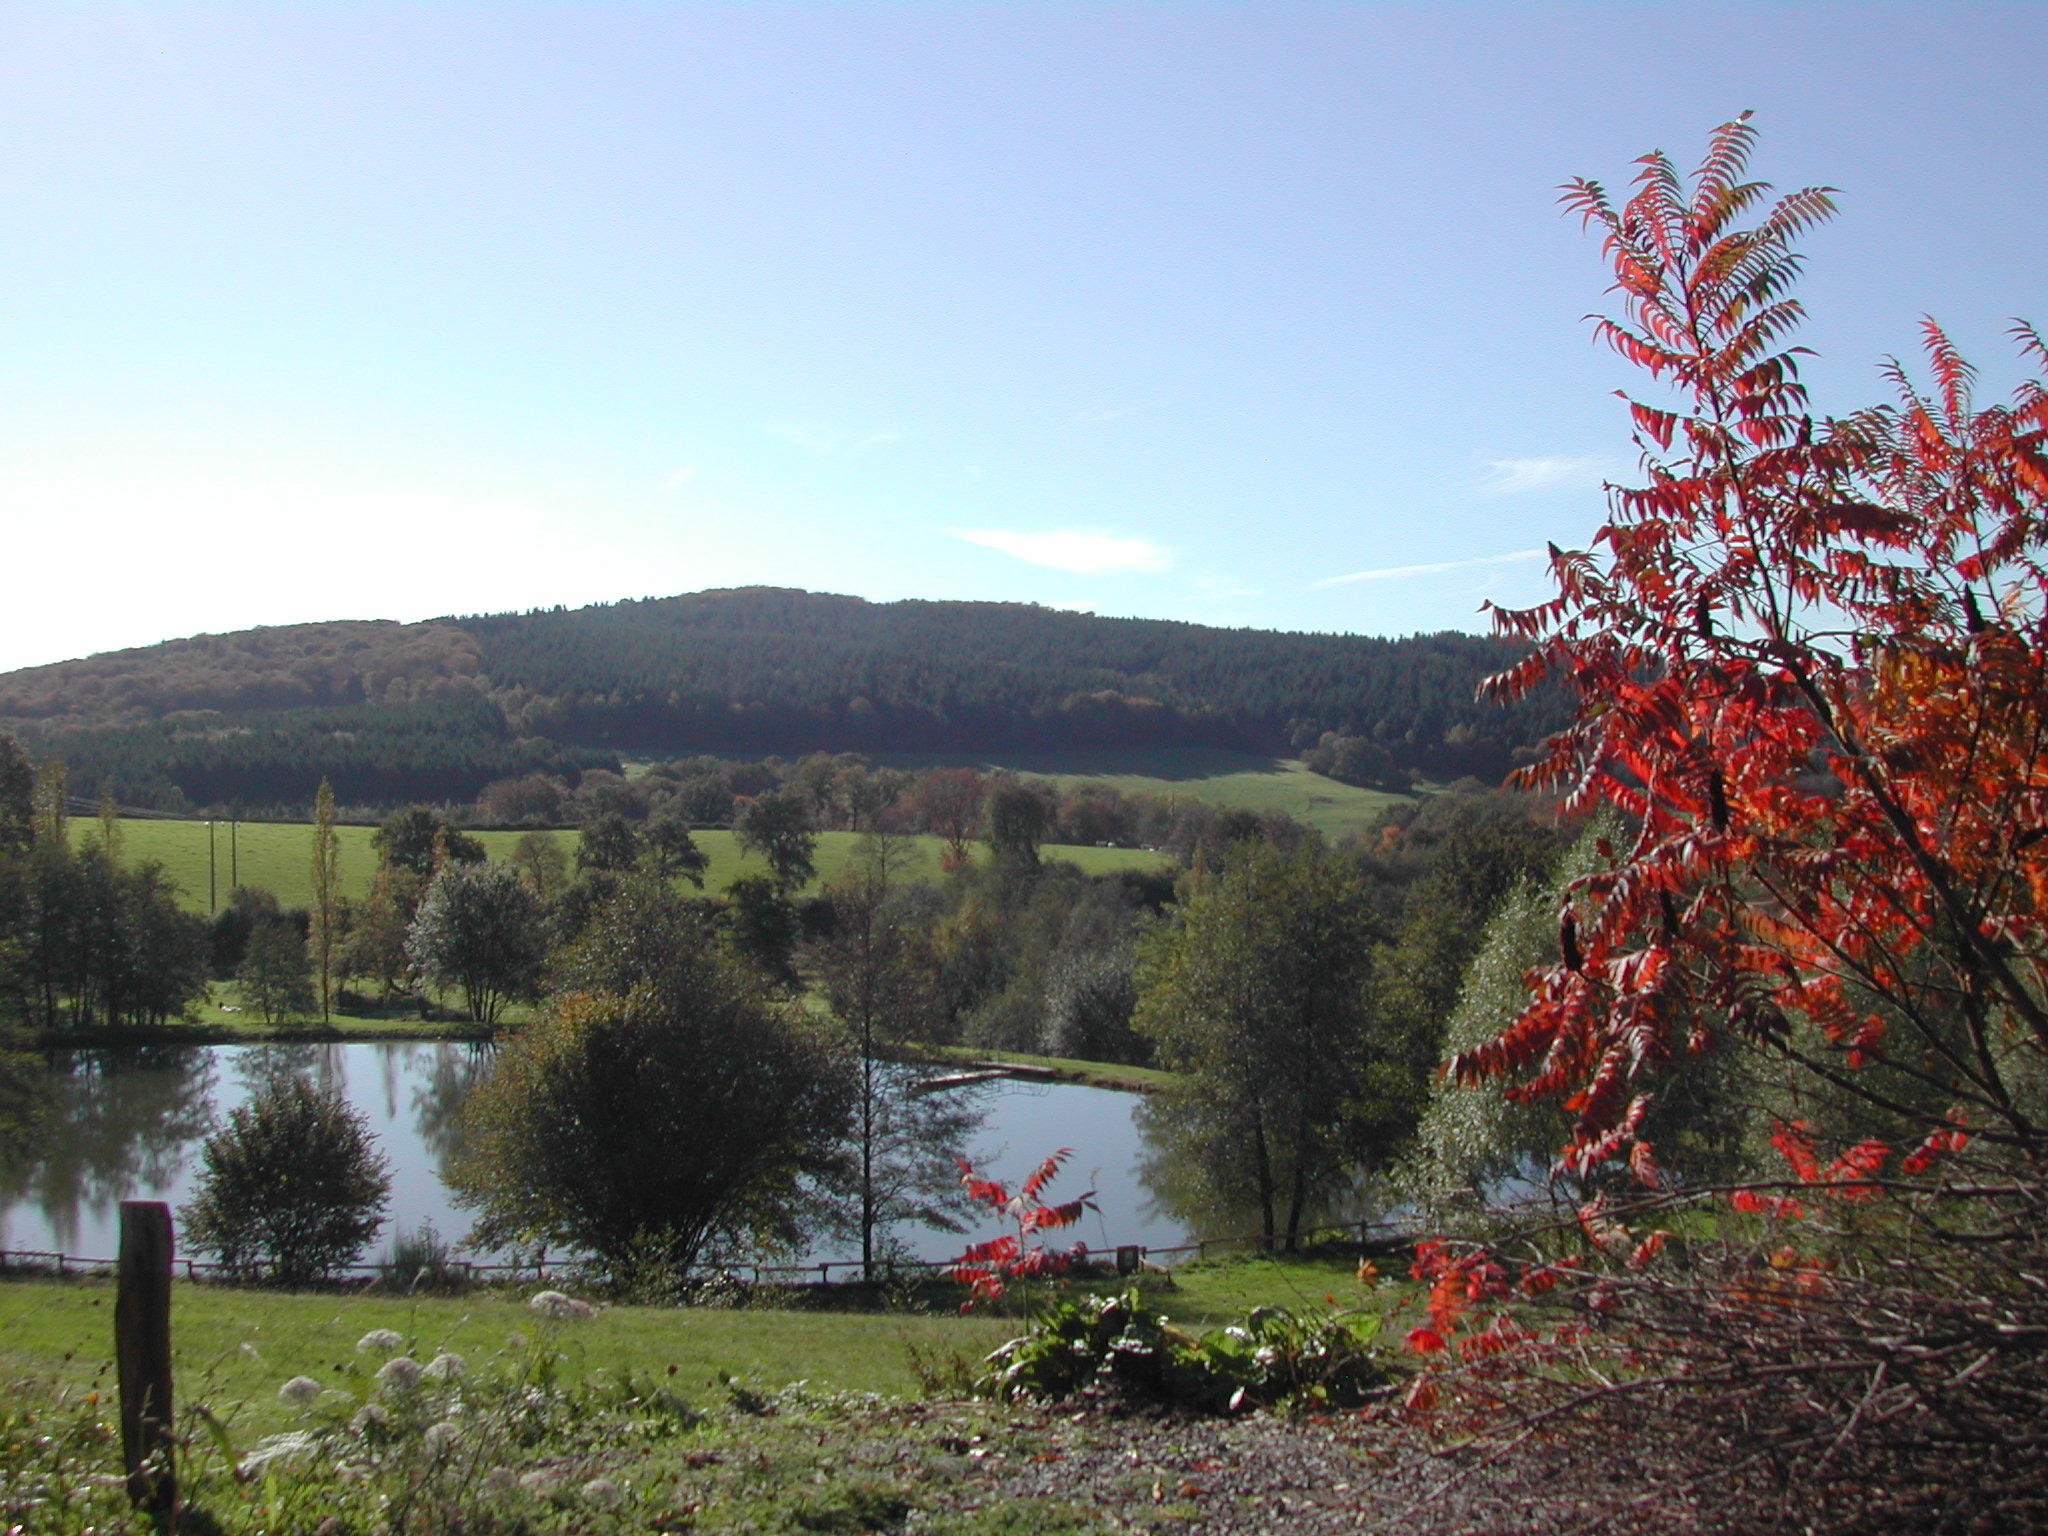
(1257, 994)
(325, 933)
(274, 976)
(662, 1104)
(777, 826)
(1018, 819)
(420, 840)
(480, 928)
(903, 1142)
(293, 1180)
(1811, 664)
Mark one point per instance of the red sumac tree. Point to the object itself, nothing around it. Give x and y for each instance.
(1809, 659)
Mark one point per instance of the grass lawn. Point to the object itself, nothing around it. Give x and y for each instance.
(635, 1419)
(234, 1347)
(1235, 779)
(278, 856)
(1092, 1074)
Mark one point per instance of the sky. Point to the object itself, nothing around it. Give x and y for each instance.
(1245, 314)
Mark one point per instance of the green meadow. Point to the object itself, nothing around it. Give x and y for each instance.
(235, 1345)
(1237, 780)
(278, 856)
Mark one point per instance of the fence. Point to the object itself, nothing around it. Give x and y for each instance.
(1128, 1257)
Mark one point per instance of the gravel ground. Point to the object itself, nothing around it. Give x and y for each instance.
(1640, 1473)
(1268, 1474)
(1101, 1469)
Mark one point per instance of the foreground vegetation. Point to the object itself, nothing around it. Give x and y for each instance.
(565, 1418)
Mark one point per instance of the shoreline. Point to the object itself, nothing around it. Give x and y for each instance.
(1111, 1076)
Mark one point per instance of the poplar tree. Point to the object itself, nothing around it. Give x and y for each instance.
(326, 894)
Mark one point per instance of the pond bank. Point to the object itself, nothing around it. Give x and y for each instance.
(380, 1031)
(1042, 1069)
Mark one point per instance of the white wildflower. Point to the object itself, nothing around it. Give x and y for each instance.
(299, 1391)
(602, 1492)
(446, 1367)
(277, 1448)
(501, 1481)
(561, 1308)
(443, 1437)
(380, 1341)
(539, 1484)
(515, 1340)
(369, 1417)
(401, 1373)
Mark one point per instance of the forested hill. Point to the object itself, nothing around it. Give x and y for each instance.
(435, 710)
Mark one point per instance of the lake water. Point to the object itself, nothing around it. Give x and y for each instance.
(128, 1126)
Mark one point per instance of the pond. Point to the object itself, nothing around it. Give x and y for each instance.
(128, 1124)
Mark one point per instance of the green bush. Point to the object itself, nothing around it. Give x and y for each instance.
(293, 1181)
(1273, 1358)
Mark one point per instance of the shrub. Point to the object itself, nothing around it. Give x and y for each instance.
(292, 1181)
(1114, 1342)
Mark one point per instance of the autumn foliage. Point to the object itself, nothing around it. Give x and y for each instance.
(1810, 660)
(986, 1269)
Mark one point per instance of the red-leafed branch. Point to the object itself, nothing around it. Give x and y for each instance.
(1811, 665)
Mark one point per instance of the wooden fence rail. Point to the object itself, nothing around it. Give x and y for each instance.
(1128, 1256)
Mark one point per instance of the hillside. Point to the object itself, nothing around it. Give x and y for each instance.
(391, 712)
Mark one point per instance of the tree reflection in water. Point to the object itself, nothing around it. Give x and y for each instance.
(1195, 1175)
(259, 1068)
(440, 1090)
(130, 1119)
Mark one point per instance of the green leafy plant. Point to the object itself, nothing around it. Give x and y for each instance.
(1116, 1343)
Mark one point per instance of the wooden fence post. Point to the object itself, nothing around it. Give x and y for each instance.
(142, 1353)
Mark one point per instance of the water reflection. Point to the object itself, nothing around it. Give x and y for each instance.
(439, 1090)
(127, 1126)
(120, 1120)
(1194, 1168)
(259, 1068)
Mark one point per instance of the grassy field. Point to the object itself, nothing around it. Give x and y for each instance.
(235, 1346)
(632, 1420)
(278, 856)
(1093, 1074)
(1234, 779)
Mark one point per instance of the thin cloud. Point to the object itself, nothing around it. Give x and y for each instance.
(1402, 572)
(681, 477)
(1518, 477)
(829, 439)
(1070, 549)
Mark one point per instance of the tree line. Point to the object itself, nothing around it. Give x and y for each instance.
(373, 755)
(88, 940)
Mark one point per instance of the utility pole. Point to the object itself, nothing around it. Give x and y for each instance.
(212, 883)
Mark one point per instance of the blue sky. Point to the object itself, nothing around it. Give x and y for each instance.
(1246, 314)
